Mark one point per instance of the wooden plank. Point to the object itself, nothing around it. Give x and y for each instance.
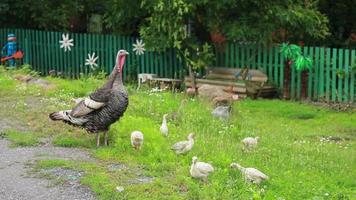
(340, 70)
(215, 82)
(270, 65)
(316, 73)
(265, 61)
(292, 82)
(254, 76)
(347, 76)
(111, 53)
(353, 74)
(281, 71)
(259, 57)
(232, 57)
(276, 66)
(237, 54)
(78, 53)
(51, 54)
(248, 56)
(85, 52)
(327, 74)
(333, 78)
(242, 58)
(311, 75)
(227, 55)
(38, 51)
(174, 61)
(238, 89)
(322, 74)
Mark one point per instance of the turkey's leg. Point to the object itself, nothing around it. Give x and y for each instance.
(106, 138)
(97, 139)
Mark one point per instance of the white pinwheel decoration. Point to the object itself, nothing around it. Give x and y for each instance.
(91, 61)
(139, 47)
(66, 43)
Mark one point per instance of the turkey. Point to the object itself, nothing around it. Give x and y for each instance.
(164, 127)
(250, 174)
(101, 108)
(183, 147)
(136, 139)
(250, 142)
(200, 170)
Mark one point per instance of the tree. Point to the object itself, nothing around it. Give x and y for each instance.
(261, 21)
(342, 22)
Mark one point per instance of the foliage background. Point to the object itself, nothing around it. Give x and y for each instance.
(327, 22)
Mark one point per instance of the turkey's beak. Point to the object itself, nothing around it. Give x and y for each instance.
(127, 53)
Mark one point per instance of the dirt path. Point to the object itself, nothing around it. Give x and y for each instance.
(15, 184)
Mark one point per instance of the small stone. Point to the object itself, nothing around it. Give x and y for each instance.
(222, 112)
(120, 189)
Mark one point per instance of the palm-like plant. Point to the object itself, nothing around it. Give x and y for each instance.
(293, 54)
(290, 52)
(304, 64)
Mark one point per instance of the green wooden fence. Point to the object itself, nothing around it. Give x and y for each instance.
(43, 52)
(332, 78)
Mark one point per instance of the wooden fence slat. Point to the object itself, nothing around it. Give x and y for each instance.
(265, 54)
(242, 58)
(270, 65)
(327, 75)
(321, 73)
(353, 74)
(339, 75)
(311, 75)
(237, 54)
(233, 55)
(248, 56)
(346, 76)
(281, 71)
(292, 81)
(259, 57)
(334, 69)
(276, 65)
(226, 56)
(316, 73)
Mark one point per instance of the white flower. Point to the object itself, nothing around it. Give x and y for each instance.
(139, 47)
(120, 188)
(91, 61)
(66, 43)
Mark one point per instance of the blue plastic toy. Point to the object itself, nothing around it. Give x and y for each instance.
(10, 48)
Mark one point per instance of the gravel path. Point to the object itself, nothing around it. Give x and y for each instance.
(15, 184)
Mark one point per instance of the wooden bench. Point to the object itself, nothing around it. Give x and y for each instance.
(242, 81)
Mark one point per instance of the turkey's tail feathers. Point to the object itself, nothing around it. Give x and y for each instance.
(61, 115)
(66, 117)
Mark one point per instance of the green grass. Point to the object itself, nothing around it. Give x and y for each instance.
(292, 151)
(22, 139)
(74, 140)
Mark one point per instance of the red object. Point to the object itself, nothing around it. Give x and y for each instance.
(17, 55)
(218, 38)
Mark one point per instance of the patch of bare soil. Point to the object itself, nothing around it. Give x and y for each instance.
(340, 107)
(16, 185)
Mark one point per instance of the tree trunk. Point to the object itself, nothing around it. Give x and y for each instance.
(304, 84)
(287, 79)
(192, 76)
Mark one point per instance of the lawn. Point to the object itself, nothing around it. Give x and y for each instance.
(307, 151)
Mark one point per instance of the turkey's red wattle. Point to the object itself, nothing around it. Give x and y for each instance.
(121, 62)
